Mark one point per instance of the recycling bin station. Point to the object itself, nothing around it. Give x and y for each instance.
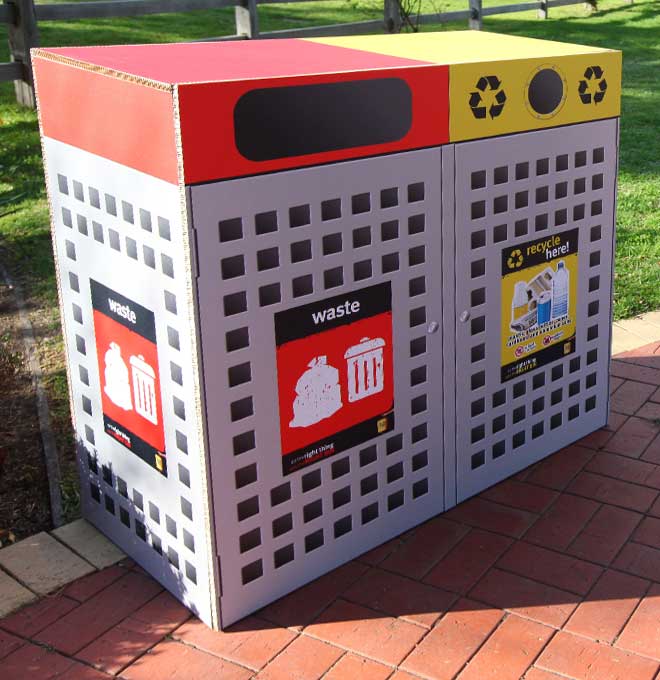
(315, 292)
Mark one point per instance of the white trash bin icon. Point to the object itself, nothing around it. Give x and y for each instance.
(144, 389)
(365, 372)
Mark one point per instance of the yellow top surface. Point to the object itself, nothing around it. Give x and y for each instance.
(459, 47)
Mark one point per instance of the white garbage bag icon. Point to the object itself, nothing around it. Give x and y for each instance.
(318, 395)
(365, 372)
(144, 389)
(117, 386)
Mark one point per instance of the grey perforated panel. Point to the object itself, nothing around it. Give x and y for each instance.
(276, 242)
(123, 229)
(509, 191)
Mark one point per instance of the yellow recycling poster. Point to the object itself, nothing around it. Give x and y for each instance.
(539, 297)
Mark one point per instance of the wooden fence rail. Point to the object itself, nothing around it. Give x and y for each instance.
(22, 17)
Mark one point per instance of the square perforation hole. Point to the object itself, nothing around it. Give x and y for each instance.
(341, 497)
(598, 155)
(332, 278)
(368, 484)
(301, 251)
(311, 480)
(368, 456)
(361, 237)
(369, 513)
(239, 375)
(265, 223)
(500, 204)
(478, 210)
(312, 510)
(580, 158)
(282, 525)
(478, 268)
(127, 212)
(389, 230)
(501, 175)
(314, 541)
(331, 209)
(269, 294)
(522, 170)
(280, 494)
(170, 302)
(246, 475)
(252, 572)
(498, 450)
(340, 467)
(561, 162)
(299, 216)
(477, 297)
(231, 267)
(250, 540)
(230, 230)
(343, 526)
(97, 232)
(390, 263)
(478, 239)
(521, 228)
(542, 166)
(269, 258)
(283, 556)
(521, 200)
(145, 219)
(478, 179)
(415, 192)
(360, 203)
(477, 459)
(332, 244)
(416, 224)
(500, 233)
(78, 191)
(561, 190)
(389, 197)
(302, 285)
(597, 182)
(417, 286)
(362, 270)
(579, 186)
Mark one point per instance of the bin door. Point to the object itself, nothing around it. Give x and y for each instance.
(534, 240)
(317, 291)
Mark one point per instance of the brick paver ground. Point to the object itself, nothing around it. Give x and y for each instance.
(554, 573)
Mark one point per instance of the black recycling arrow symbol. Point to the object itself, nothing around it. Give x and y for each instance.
(592, 88)
(478, 106)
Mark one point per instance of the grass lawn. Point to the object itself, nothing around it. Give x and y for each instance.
(24, 231)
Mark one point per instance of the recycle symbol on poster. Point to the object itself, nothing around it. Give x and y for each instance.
(593, 86)
(488, 99)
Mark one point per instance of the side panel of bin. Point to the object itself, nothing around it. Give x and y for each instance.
(130, 344)
(274, 251)
(525, 203)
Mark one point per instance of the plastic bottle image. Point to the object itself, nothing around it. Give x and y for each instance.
(519, 302)
(560, 284)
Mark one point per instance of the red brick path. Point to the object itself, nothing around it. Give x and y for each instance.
(551, 574)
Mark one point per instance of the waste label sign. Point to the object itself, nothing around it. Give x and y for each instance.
(539, 296)
(128, 368)
(335, 374)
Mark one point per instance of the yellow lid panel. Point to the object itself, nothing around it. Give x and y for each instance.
(459, 47)
(514, 96)
(501, 84)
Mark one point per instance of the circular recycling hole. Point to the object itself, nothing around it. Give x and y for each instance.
(546, 91)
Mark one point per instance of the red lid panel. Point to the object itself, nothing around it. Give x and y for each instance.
(234, 129)
(178, 63)
(121, 120)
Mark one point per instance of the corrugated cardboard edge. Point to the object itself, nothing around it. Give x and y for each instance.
(193, 327)
(40, 53)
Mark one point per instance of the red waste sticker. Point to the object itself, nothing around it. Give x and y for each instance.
(335, 374)
(128, 369)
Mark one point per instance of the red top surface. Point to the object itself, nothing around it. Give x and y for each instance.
(226, 61)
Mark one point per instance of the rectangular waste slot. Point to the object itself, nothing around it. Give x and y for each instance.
(315, 319)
